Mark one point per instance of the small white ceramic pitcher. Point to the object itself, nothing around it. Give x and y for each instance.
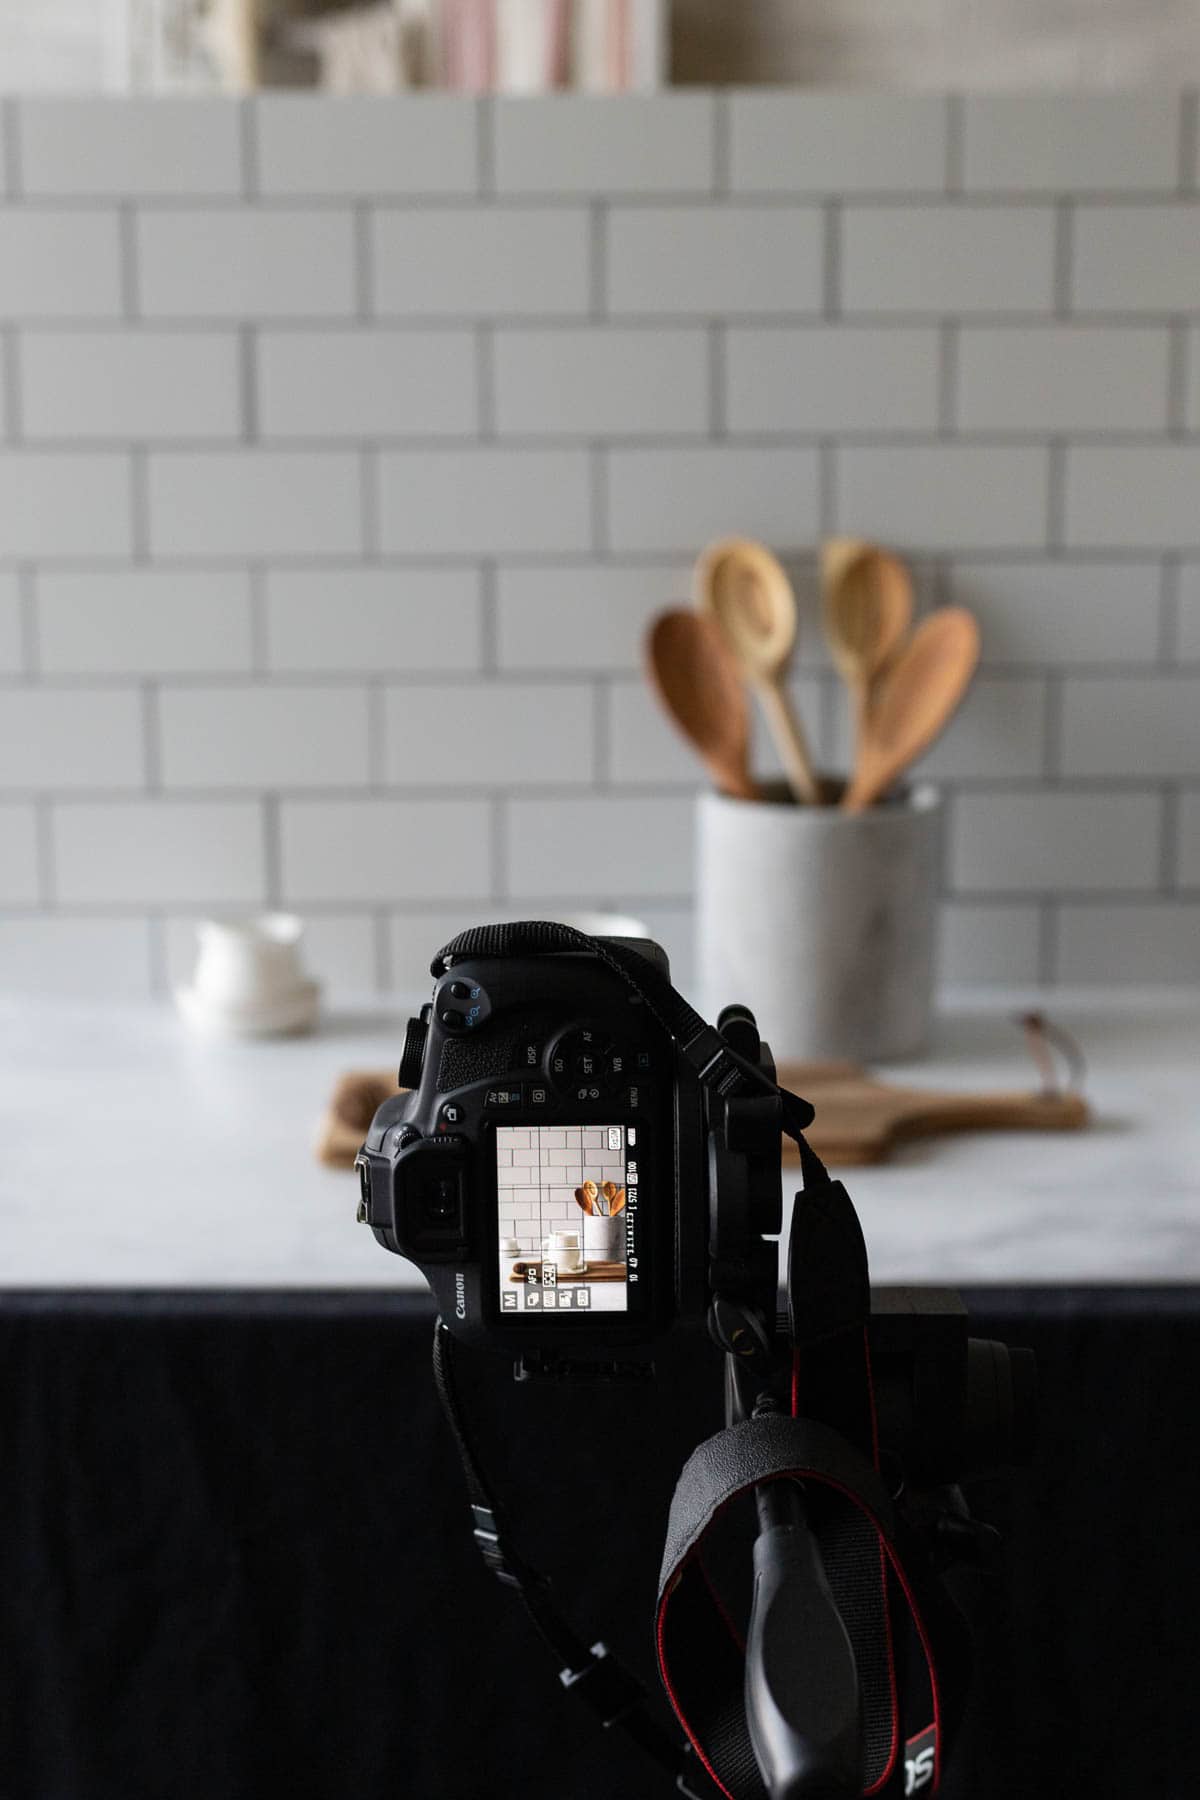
(249, 979)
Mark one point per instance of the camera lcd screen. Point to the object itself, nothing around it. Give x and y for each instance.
(567, 1200)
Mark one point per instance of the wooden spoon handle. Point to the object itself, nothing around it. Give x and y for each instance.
(737, 783)
(786, 730)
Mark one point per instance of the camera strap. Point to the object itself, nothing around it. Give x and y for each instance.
(881, 1577)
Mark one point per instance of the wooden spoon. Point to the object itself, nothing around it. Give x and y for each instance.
(868, 608)
(915, 698)
(742, 586)
(697, 681)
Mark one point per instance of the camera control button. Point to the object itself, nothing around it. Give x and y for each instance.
(588, 1065)
(504, 1099)
(539, 1096)
(464, 1002)
(451, 1114)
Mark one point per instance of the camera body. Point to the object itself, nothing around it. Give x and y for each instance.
(553, 1167)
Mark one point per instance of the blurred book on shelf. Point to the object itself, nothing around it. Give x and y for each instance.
(471, 46)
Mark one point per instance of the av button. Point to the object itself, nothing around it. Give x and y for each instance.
(504, 1099)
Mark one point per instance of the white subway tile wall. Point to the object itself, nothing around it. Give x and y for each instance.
(346, 447)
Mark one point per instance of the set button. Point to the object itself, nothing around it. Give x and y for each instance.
(585, 1057)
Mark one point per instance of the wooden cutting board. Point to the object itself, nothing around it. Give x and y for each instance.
(859, 1119)
(595, 1271)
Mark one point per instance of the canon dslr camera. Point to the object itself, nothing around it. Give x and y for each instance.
(554, 1167)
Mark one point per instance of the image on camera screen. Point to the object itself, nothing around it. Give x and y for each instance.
(567, 1199)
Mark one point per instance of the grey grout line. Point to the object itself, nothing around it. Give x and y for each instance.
(1168, 613)
(1031, 555)
(14, 422)
(485, 380)
(718, 365)
(139, 501)
(151, 737)
(599, 494)
(1168, 867)
(369, 502)
(259, 635)
(1064, 242)
(1177, 377)
(248, 382)
(30, 644)
(489, 620)
(948, 377)
(541, 675)
(772, 199)
(520, 443)
(955, 143)
(364, 273)
(597, 261)
(602, 700)
(1056, 495)
(447, 318)
(1188, 141)
(722, 144)
(831, 253)
(1052, 728)
(128, 253)
(272, 849)
(248, 120)
(538, 791)
(376, 737)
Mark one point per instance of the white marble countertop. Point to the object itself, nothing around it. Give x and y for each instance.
(136, 1155)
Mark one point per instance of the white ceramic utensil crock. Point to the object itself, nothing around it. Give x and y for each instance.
(823, 922)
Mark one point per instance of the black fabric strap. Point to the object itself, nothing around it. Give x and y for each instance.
(700, 1656)
(591, 1671)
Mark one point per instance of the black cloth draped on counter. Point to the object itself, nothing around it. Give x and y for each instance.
(235, 1559)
